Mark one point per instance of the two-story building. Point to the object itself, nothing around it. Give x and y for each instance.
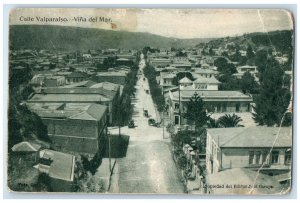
(74, 127)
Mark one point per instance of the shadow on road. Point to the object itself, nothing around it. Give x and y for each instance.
(119, 146)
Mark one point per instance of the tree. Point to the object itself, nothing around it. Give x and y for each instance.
(224, 67)
(196, 111)
(248, 83)
(273, 99)
(228, 121)
(250, 53)
(181, 75)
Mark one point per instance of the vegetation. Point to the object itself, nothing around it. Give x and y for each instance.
(274, 95)
(155, 89)
(22, 123)
(229, 121)
(196, 112)
(248, 84)
(75, 38)
(181, 75)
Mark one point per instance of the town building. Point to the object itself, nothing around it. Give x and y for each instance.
(79, 128)
(241, 70)
(160, 62)
(245, 150)
(76, 77)
(215, 101)
(59, 167)
(117, 77)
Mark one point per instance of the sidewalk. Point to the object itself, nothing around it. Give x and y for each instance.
(103, 172)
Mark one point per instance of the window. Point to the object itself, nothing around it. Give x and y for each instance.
(288, 156)
(264, 157)
(257, 157)
(251, 157)
(275, 157)
(176, 106)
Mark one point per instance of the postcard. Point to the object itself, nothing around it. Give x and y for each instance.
(150, 101)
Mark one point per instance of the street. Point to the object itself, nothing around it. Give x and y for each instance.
(148, 166)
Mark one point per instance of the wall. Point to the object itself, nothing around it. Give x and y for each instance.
(71, 127)
(112, 78)
(239, 157)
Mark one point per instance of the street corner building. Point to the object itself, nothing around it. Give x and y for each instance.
(74, 127)
(253, 160)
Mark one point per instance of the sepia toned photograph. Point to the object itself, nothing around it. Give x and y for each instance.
(150, 101)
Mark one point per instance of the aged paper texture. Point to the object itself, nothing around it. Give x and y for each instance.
(150, 101)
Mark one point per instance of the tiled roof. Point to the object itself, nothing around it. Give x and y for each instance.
(252, 136)
(83, 111)
(25, 147)
(185, 80)
(204, 80)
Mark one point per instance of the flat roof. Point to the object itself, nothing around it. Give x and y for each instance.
(258, 136)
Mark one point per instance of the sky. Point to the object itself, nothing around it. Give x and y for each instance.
(178, 23)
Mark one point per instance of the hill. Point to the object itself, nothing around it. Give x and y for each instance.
(280, 40)
(75, 38)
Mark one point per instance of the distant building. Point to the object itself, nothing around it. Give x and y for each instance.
(117, 77)
(76, 77)
(160, 62)
(47, 80)
(59, 167)
(206, 83)
(215, 101)
(241, 70)
(74, 127)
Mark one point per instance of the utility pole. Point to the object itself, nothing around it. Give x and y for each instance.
(179, 102)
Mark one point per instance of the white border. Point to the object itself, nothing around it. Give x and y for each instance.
(158, 3)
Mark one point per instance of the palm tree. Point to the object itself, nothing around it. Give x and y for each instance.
(228, 121)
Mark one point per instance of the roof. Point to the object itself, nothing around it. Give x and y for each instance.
(168, 75)
(114, 73)
(62, 166)
(185, 80)
(77, 75)
(82, 111)
(205, 71)
(212, 95)
(105, 90)
(252, 136)
(86, 83)
(26, 147)
(210, 80)
(266, 184)
(94, 112)
(90, 97)
(106, 85)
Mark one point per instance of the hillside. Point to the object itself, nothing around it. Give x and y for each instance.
(280, 40)
(74, 38)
